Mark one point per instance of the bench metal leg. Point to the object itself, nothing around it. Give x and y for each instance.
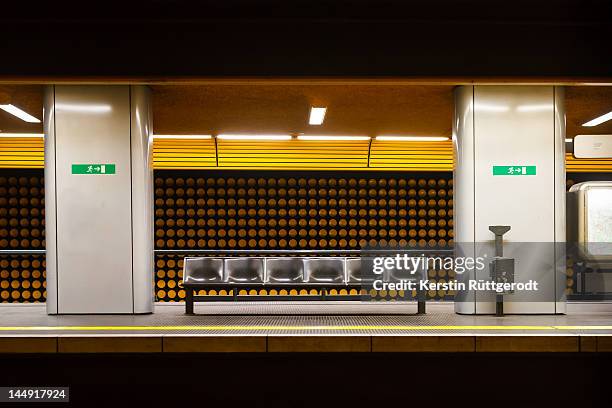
(421, 307)
(189, 301)
(421, 302)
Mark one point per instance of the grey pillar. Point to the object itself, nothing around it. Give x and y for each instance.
(521, 127)
(98, 199)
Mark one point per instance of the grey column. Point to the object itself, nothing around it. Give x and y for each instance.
(511, 126)
(99, 219)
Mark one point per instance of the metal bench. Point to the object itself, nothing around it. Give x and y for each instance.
(233, 274)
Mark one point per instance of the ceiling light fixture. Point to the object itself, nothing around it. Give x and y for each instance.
(182, 137)
(568, 140)
(331, 137)
(317, 115)
(412, 138)
(39, 135)
(599, 120)
(254, 137)
(15, 111)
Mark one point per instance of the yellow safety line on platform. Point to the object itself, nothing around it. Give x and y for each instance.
(296, 328)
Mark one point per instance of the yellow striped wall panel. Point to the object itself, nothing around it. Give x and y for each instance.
(28, 152)
(21, 152)
(184, 154)
(573, 165)
(293, 154)
(429, 156)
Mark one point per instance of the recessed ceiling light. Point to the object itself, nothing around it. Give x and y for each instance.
(182, 136)
(599, 120)
(331, 137)
(13, 110)
(412, 138)
(254, 137)
(21, 134)
(317, 115)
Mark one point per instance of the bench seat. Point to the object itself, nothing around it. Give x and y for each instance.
(234, 274)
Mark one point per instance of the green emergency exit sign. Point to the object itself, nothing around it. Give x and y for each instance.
(514, 170)
(93, 169)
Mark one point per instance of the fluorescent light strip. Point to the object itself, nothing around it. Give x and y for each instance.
(599, 120)
(40, 135)
(317, 115)
(182, 137)
(331, 137)
(568, 140)
(15, 111)
(412, 138)
(254, 137)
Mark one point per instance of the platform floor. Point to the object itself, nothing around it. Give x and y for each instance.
(300, 326)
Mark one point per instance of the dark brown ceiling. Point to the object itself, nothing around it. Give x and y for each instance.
(26, 97)
(352, 109)
(583, 103)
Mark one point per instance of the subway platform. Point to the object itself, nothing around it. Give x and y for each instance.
(299, 327)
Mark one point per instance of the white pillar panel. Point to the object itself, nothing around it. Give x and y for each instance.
(560, 201)
(142, 198)
(463, 197)
(511, 126)
(50, 207)
(99, 259)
